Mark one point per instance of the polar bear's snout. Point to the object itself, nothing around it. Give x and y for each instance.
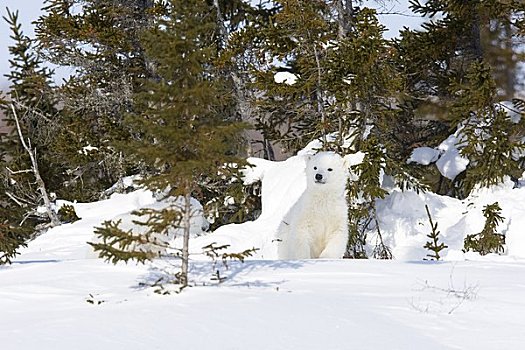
(319, 178)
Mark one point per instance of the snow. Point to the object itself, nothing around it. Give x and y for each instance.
(446, 156)
(285, 77)
(86, 150)
(511, 109)
(57, 296)
(266, 305)
(452, 163)
(404, 223)
(423, 155)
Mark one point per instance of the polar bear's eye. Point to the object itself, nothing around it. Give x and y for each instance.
(330, 169)
(315, 168)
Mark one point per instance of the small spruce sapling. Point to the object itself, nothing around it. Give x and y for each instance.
(214, 253)
(67, 214)
(434, 246)
(488, 240)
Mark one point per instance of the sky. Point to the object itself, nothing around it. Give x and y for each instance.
(31, 9)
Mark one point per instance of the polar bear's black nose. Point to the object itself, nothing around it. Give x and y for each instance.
(318, 177)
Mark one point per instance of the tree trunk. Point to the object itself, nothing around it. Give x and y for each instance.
(186, 239)
(475, 32)
(319, 98)
(345, 11)
(510, 66)
(243, 106)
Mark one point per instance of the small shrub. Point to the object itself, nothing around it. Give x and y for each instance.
(488, 240)
(12, 237)
(67, 214)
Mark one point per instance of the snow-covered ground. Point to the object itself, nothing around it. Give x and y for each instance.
(57, 296)
(345, 304)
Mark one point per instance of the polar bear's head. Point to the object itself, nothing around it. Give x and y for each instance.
(326, 169)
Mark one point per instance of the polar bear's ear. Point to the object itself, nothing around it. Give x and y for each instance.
(353, 159)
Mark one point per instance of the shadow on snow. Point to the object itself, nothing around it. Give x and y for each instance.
(214, 273)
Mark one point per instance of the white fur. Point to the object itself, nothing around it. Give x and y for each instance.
(317, 225)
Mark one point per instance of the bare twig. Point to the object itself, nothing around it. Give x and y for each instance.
(381, 251)
(452, 297)
(10, 195)
(40, 182)
(12, 172)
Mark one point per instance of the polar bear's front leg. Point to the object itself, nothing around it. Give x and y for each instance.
(335, 247)
(290, 247)
(300, 248)
(283, 240)
(292, 241)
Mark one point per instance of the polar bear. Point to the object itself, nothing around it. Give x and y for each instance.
(317, 224)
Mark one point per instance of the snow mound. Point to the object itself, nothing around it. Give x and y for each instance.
(402, 217)
(285, 77)
(447, 156)
(423, 155)
(404, 222)
(282, 185)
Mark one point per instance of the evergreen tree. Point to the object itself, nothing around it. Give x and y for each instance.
(99, 42)
(238, 203)
(187, 134)
(458, 34)
(296, 36)
(233, 16)
(347, 85)
(31, 97)
(501, 41)
(241, 30)
(26, 162)
(451, 69)
(487, 132)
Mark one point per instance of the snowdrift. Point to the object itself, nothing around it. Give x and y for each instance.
(402, 218)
